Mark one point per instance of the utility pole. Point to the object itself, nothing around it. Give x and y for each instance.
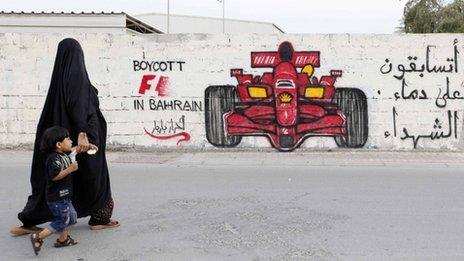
(223, 16)
(168, 18)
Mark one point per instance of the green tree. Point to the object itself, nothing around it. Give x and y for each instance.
(451, 18)
(421, 16)
(432, 16)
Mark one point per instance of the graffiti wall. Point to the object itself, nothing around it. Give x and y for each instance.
(284, 93)
(286, 104)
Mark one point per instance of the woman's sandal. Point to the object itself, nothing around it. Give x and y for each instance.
(37, 242)
(19, 231)
(68, 242)
(111, 224)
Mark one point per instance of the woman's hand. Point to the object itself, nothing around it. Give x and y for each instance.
(93, 149)
(83, 144)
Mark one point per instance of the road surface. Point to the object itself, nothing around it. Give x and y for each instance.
(232, 205)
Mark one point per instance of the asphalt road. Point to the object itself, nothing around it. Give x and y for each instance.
(343, 205)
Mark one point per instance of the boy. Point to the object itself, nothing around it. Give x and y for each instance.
(57, 144)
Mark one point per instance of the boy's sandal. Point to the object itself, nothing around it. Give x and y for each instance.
(36, 242)
(19, 231)
(68, 242)
(111, 224)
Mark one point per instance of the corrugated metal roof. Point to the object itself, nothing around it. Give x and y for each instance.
(132, 23)
(67, 13)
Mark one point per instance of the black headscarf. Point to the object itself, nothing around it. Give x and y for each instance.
(72, 103)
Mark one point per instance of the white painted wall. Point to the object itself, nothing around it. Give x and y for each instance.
(26, 62)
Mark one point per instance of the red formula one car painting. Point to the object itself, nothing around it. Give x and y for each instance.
(287, 105)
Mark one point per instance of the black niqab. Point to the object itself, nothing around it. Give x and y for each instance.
(72, 103)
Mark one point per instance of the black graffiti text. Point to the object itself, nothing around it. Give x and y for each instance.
(139, 105)
(175, 105)
(440, 131)
(411, 66)
(410, 95)
(443, 96)
(155, 66)
(168, 105)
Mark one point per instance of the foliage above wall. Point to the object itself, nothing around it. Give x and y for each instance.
(433, 16)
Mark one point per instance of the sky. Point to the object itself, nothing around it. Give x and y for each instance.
(293, 16)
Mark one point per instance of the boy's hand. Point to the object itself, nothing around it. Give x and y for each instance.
(73, 167)
(72, 156)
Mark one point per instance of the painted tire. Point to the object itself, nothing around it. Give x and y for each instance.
(353, 103)
(218, 101)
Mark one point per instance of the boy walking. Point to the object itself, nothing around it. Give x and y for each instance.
(57, 144)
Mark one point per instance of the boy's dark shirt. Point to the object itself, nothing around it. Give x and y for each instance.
(60, 189)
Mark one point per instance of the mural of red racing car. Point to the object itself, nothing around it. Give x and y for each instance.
(287, 105)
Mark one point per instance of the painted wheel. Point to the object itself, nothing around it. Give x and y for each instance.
(353, 103)
(218, 101)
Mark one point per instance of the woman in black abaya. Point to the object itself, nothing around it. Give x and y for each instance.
(72, 103)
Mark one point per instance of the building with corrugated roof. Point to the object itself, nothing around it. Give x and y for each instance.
(61, 22)
(198, 24)
(120, 22)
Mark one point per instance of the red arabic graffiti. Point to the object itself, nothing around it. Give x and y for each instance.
(185, 136)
